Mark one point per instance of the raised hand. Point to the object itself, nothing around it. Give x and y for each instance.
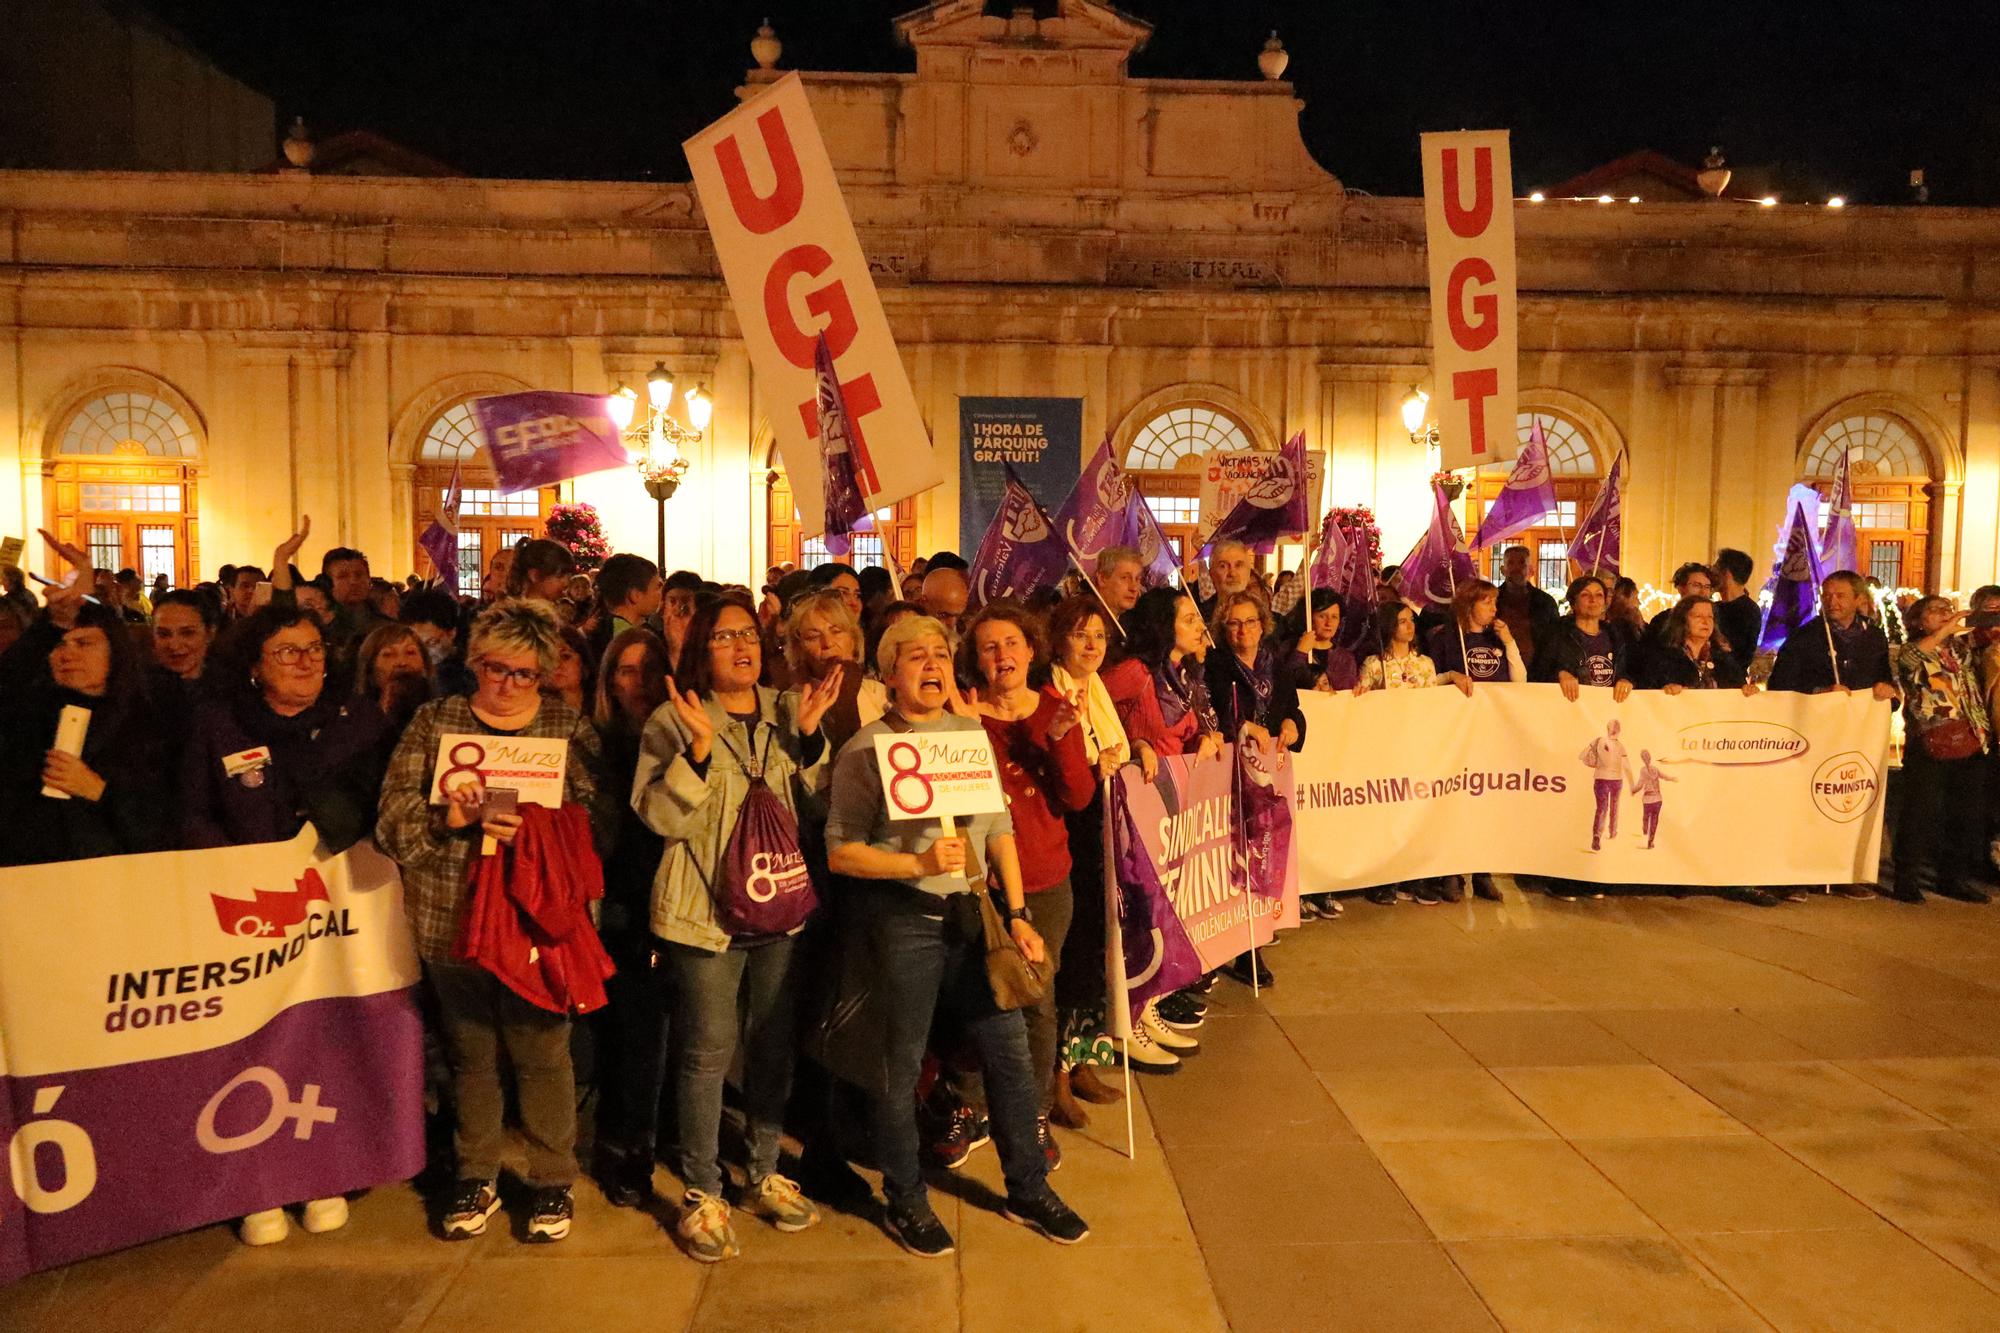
(287, 551)
(816, 698)
(77, 558)
(1063, 722)
(959, 704)
(701, 731)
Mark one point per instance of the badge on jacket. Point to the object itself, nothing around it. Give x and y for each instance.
(247, 766)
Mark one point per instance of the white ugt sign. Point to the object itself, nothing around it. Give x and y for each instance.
(1469, 229)
(795, 269)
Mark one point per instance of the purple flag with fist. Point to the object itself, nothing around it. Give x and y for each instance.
(1528, 497)
(1105, 509)
(1595, 547)
(846, 511)
(1020, 552)
(1439, 562)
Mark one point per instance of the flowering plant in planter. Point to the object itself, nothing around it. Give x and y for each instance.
(1360, 519)
(1452, 484)
(578, 527)
(655, 469)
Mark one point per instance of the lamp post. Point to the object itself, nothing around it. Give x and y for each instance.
(659, 438)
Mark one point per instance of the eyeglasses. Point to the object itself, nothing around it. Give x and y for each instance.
(722, 638)
(500, 675)
(1242, 624)
(291, 654)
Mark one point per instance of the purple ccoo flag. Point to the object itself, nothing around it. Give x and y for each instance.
(1594, 550)
(1276, 506)
(1528, 496)
(440, 539)
(538, 439)
(846, 511)
(1796, 571)
(1840, 547)
(1439, 562)
(1020, 552)
(1105, 509)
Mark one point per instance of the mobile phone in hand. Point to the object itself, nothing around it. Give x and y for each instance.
(500, 801)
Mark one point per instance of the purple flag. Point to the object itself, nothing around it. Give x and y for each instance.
(1528, 497)
(1264, 817)
(1159, 956)
(1275, 506)
(1796, 571)
(1020, 552)
(1329, 566)
(1594, 550)
(440, 539)
(1439, 562)
(1105, 509)
(846, 511)
(538, 439)
(1840, 547)
(1358, 632)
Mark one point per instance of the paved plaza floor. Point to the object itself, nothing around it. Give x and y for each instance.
(1637, 1113)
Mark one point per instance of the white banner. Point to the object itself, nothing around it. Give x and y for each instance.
(1705, 787)
(1469, 232)
(795, 268)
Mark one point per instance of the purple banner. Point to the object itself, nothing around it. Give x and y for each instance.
(1796, 573)
(538, 439)
(1159, 956)
(440, 539)
(1596, 547)
(845, 510)
(1840, 547)
(324, 1099)
(1264, 785)
(1439, 562)
(1275, 507)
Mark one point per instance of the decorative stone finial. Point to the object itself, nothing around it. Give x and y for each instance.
(1273, 58)
(765, 48)
(298, 144)
(1714, 174)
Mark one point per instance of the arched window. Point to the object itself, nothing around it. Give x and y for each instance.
(123, 484)
(895, 531)
(1164, 459)
(487, 520)
(1891, 473)
(1573, 461)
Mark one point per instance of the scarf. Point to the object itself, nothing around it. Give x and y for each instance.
(1182, 691)
(1101, 728)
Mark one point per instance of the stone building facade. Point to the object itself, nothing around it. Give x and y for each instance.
(189, 361)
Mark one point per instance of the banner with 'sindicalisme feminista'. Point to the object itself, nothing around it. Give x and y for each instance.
(1705, 787)
(188, 1037)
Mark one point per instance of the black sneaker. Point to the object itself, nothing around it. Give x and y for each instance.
(1181, 1013)
(918, 1231)
(1756, 897)
(1045, 1138)
(1427, 895)
(960, 1131)
(1048, 1215)
(549, 1213)
(1382, 895)
(467, 1208)
(1239, 969)
(627, 1181)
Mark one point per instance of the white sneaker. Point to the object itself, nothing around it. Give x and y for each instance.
(1147, 1055)
(265, 1228)
(1180, 1043)
(323, 1215)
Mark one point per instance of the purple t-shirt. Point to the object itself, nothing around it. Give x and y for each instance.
(1485, 656)
(1599, 663)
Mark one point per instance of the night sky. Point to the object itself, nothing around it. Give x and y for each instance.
(1808, 97)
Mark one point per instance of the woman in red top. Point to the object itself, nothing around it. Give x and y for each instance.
(1158, 685)
(1046, 774)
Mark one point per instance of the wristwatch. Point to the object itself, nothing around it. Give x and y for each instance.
(1022, 913)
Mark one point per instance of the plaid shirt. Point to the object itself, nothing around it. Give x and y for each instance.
(435, 859)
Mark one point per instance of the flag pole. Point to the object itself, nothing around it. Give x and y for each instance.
(1117, 993)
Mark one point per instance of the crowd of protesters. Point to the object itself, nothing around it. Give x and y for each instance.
(718, 733)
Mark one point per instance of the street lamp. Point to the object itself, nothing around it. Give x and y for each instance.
(658, 439)
(1414, 408)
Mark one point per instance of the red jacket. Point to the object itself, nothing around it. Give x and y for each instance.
(529, 919)
(1044, 780)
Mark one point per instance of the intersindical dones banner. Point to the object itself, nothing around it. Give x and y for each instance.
(1469, 231)
(795, 268)
(1705, 787)
(187, 1037)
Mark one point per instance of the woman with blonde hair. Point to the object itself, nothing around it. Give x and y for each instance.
(512, 648)
(822, 635)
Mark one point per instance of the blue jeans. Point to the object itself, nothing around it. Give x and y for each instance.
(708, 988)
(928, 970)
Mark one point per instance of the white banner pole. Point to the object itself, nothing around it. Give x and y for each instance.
(1117, 996)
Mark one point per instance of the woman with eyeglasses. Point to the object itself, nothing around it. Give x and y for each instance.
(513, 646)
(270, 752)
(719, 735)
(275, 748)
